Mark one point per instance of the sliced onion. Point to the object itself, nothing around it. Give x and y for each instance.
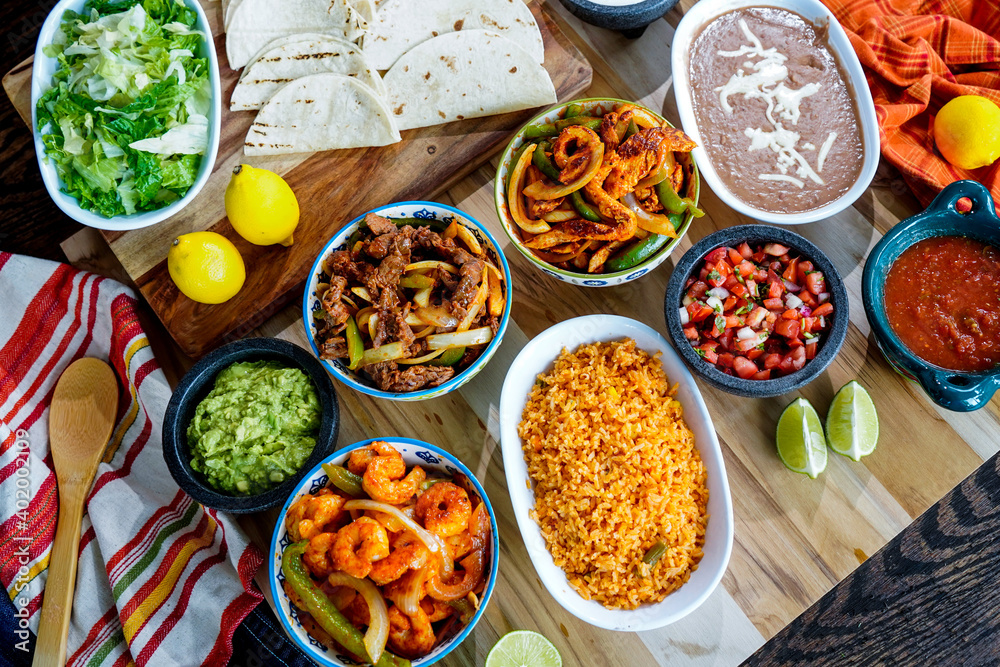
(714, 303)
(790, 286)
(560, 216)
(687, 301)
(651, 222)
(387, 352)
(745, 333)
(806, 311)
(823, 297)
(409, 601)
(683, 313)
(658, 176)
(720, 292)
(548, 191)
(378, 628)
(422, 360)
(437, 316)
(793, 301)
(363, 293)
(460, 339)
(470, 240)
(431, 264)
(433, 543)
(474, 564)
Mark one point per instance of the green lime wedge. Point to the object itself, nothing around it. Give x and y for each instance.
(801, 445)
(852, 422)
(523, 648)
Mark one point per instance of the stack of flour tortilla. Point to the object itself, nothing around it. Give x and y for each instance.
(311, 67)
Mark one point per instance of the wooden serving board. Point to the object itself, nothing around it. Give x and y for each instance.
(332, 187)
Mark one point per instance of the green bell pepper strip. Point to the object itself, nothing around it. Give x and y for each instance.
(345, 480)
(642, 249)
(574, 110)
(544, 164)
(654, 554)
(355, 346)
(539, 131)
(673, 202)
(326, 614)
(631, 129)
(587, 121)
(585, 210)
(451, 356)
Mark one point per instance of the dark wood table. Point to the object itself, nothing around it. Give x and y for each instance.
(929, 596)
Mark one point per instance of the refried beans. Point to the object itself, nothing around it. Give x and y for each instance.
(775, 115)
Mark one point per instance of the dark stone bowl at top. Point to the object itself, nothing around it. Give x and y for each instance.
(630, 18)
(196, 384)
(961, 391)
(829, 346)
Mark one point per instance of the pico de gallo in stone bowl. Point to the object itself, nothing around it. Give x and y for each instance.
(756, 310)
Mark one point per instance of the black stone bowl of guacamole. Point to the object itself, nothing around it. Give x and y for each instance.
(247, 422)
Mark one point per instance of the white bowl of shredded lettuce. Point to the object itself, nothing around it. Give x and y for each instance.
(126, 108)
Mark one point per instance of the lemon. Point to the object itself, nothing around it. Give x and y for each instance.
(206, 267)
(261, 206)
(523, 648)
(852, 422)
(801, 445)
(967, 131)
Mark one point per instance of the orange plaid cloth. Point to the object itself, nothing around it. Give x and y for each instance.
(918, 56)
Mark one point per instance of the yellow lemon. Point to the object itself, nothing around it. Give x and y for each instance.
(206, 267)
(261, 206)
(967, 131)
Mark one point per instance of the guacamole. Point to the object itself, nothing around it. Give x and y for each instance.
(256, 427)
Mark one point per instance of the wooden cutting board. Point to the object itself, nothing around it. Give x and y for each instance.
(332, 187)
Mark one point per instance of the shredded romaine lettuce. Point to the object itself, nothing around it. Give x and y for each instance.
(126, 119)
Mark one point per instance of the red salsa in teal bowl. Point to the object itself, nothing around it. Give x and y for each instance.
(942, 299)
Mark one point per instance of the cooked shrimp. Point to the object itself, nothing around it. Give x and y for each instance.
(572, 151)
(410, 636)
(395, 590)
(317, 555)
(383, 480)
(444, 509)
(357, 612)
(459, 545)
(436, 610)
(310, 515)
(360, 458)
(358, 545)
(407, 552)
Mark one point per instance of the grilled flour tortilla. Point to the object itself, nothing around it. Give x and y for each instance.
(403, 24)
(464, 75)
(320, 112)
(281, 64)
(253, 24)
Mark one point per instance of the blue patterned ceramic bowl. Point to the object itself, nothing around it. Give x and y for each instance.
(594, 105)
(410, 209)
(415, 452)
(953, 390)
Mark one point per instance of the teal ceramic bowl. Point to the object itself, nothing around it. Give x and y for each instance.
(954, 390)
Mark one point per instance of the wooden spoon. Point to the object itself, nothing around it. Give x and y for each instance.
(81, 418)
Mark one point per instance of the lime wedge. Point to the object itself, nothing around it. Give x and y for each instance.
(801, 445)
(523, 648)
(852, 422)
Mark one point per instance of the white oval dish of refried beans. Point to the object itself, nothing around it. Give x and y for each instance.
(780, 124)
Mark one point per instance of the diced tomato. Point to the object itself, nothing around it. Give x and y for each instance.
(791, 271)
(775, 249)
(739, 290)
(770, 318)
(759, 257)
(808, 324)
(703, 272)
(708, 351)
(697, 289)
(772, 360)
(794, 342)
(798, 356)
(815, 282)
(735, 256)
(715, 278)
(744, 367)
(756, 317)
(747, 344)
(745, 250)
(752, 287)
(698, 311)
(728, 304)
(690, 281)
(733, 321)
(726, 339)
(787, 328)
(731, 281)
(718, 326)
(691, 332)
(773, 304)
(745, 268)
(811, 346)
(754, 353)
(762, 375)
(790, 314)
(725, 360)
(760, 274)
(807, 298)
(775, 289)
(717, 254)
(805, 266)
(823, 310)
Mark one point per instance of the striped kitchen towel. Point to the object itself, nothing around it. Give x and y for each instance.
(918, 55)
(161, 580)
